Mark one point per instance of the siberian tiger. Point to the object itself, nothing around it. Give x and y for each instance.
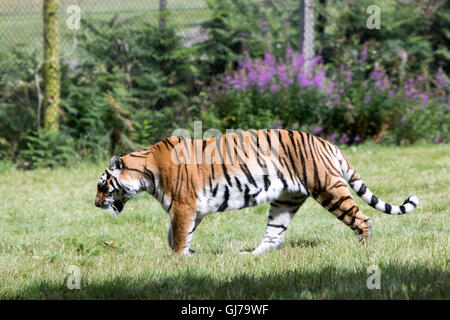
(193, 178)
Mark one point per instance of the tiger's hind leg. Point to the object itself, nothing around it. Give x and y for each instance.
(281, 213)
(339, 201)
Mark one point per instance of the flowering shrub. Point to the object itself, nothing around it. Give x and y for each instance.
(264, 91)
(276, 74)
(348, 106)
(368, 103)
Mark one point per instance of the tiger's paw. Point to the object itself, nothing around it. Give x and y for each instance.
(268, 244)
(188, 253)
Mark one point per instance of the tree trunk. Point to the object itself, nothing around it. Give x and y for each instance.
(52, 74)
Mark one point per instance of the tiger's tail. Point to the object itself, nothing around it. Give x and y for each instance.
(364, 193)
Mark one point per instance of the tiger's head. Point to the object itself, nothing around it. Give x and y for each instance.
(117, 185)
(111, 196)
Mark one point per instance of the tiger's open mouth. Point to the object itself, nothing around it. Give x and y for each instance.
(118, 205)
(115, 208)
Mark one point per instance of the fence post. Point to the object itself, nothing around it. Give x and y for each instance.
(306, 32)
(52, 74)
(162, 13)
(301, 23)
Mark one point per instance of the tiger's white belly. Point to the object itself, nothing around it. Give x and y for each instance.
(234, 196)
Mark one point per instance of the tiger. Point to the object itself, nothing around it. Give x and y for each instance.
(192, 178)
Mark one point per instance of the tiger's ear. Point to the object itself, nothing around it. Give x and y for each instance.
(116, 163)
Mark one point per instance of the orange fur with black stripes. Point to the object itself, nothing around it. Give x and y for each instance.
(193, 178)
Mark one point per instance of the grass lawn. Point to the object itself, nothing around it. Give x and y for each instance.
(48, 222)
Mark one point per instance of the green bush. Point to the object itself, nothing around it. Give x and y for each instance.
(18, 100)
(415, 27)
(119, 79)
(251, 27)
(152, 126)
(149, 61)
(358, 102)
(48, 149)
(96, 109)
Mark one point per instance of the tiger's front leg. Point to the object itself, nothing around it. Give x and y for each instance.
(181, 231)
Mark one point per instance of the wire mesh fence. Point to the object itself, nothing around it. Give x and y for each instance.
(21, 21)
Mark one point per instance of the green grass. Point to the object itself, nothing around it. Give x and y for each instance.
(48, 222)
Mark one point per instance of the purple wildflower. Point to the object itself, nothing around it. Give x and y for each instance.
(377, 75)
(248, 64)
(363, 55)
(378, 84)
(253, 76)
(357, 139)
(319, 79)
(420, 78)
(265, 25)
(391, 93)
(437, 139)
(314, 61)
(333, 137)
(331, 86)
(304, 82)
(282, 73)
(268, 59)
(345, 139)
(264, 79)
(411, 92)
(349, 77)
(317, 129)
(441, 80)
(368, 99)
(272, 75)
(290, 52)
(425, 99)
(298, 62)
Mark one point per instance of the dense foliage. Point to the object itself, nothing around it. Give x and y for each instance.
(130, 85)
(346, 106)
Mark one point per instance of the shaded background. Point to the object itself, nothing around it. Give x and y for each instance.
(136, 70)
